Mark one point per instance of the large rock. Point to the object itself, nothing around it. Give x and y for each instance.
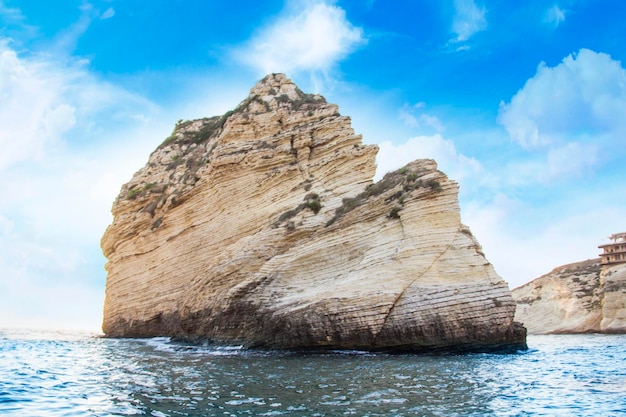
(262, 227)
(584, 297)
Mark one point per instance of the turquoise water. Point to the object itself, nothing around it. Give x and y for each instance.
(74, 374)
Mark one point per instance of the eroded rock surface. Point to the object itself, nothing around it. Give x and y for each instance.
(262, 227)
(583, 297)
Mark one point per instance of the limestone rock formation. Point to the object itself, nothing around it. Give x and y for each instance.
(262, 227)
(583, 297)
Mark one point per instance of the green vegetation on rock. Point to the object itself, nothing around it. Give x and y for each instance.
(403, 176)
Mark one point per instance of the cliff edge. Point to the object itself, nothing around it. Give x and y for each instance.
(262, 227)
(583, 297)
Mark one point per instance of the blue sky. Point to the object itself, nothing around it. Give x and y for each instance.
(523, 103)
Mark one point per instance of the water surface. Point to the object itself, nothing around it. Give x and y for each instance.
(76, 374)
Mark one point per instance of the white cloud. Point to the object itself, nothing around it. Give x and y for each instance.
(570, 117)
(556, 166)
(68, 140)
(65, 41)
(585, 94)
(457, 166)
(312, 39)
(524, 241)
(51, 225)
(43, 100)
(11, 13)
(414, 117)
(468, 19)
(571, 160)
(33, 113)
(554, 16)
(109, 13)
(549, 199)
(49, 304)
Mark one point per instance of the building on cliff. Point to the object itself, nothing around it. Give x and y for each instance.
(614, 252)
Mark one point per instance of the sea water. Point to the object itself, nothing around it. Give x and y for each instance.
(77, 374)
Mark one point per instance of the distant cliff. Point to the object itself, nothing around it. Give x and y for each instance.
(583, 297)
(263, 227)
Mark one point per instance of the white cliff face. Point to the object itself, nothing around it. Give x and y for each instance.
(263, 227)
(583, 297)
(613, 280)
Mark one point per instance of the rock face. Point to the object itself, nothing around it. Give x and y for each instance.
(262, 227)
(583, 297)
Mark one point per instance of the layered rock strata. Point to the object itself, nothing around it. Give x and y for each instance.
(262, 227)
(583, 297)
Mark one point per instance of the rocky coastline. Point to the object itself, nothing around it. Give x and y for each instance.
(583, 297)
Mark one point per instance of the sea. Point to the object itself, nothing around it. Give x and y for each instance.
(45, 373)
